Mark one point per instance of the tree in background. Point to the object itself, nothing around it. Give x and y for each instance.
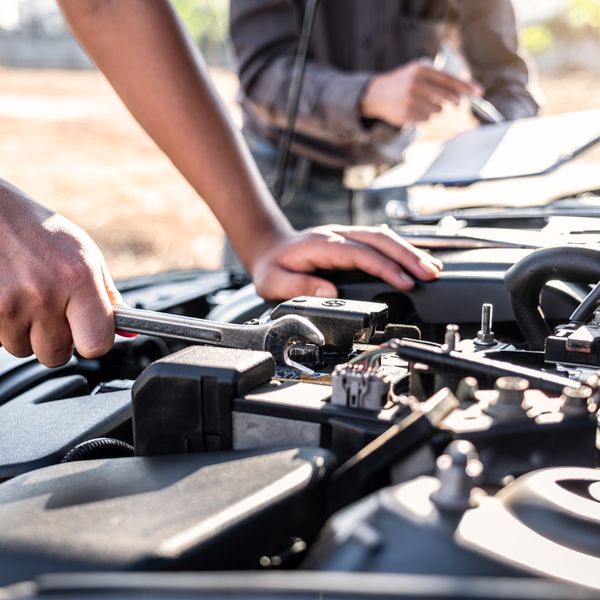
(208, 24)
(581, 18)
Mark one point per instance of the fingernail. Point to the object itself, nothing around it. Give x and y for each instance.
(429, 266)
(325, 292)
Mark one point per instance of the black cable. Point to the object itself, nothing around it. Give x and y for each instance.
(98, 448)
(587, 307)
(294, 98)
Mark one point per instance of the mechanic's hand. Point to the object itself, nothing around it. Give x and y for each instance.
(412, 93)
(283, 270)
(55, 289)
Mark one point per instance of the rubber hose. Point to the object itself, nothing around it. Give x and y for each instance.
(98, 448)
(525, 280)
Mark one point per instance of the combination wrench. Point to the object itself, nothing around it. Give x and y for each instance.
(276, 337)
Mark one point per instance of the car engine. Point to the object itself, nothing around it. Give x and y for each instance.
(442, 443)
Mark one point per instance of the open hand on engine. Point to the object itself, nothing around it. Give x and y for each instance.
(283, 268)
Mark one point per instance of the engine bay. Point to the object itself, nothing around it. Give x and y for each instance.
(446, 434)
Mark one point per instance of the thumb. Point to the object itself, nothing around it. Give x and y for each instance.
(111, 289)
(323, 288)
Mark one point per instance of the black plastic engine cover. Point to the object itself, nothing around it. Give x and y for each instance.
(41, 425)
(195, 511)
(182, 403)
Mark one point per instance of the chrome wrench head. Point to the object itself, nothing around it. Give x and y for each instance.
(286, 331)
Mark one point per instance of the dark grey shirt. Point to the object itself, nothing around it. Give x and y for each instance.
(352, 41)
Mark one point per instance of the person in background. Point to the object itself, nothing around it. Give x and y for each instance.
(369, 78)
(55, 289)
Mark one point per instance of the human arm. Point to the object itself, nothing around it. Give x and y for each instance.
(337, 105)
(264, 36)
(142, 49)
(56, 291)
(489, 37)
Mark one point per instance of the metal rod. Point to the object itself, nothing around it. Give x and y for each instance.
(435, 356)
(294, 98)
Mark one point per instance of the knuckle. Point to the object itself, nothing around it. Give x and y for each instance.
(76, 273)
(411, 87)
(19, 348)
(416, 67)
(39, 293)
(8, 308)
(56, 358)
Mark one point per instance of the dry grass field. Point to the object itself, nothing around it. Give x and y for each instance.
(69, 143)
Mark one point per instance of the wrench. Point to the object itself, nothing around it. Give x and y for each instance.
(276, 337)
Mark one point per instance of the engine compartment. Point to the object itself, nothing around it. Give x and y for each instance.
(432, 437)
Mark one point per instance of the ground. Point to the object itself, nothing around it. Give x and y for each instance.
(68, 142)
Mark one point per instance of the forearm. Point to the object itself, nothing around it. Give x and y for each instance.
(330, 109)
(141, 48)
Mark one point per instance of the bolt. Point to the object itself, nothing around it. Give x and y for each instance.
(576, 401)
(510, 393)
(457, 470)
(451, 338)
(511, 389)
(467, 390)
(485, 336)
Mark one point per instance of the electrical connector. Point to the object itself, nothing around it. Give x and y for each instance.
(357, 386)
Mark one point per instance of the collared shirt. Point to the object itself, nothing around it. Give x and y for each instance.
(352, 41)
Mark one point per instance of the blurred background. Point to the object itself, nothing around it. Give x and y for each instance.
(67, 141)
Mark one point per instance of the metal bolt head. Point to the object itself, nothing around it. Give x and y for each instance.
(508, 401)
(451, 338)
(457, 470)
(467, 390)
(511, 390)
(576, 401)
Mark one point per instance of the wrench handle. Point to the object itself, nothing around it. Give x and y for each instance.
(147, 322)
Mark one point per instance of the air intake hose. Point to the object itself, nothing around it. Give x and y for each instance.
(525, 280)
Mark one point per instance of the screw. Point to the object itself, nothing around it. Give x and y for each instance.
(451, 338)
(485, 336)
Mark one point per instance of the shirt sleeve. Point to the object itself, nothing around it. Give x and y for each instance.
(265, 35)
(491, 46)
